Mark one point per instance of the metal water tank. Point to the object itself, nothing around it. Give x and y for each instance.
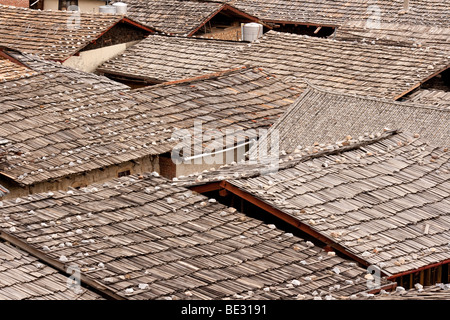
(107, 9)
(251, 31)
(121, 7)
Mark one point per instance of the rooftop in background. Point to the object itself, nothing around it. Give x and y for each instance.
(96, 123)
(144, 238)
(396, 34)
(419, 12)
(181, 17)
(55, 35)
(438, 98)
(384, 200)
(375, 70)
(320, 12)
(322, 116)
(164, 58)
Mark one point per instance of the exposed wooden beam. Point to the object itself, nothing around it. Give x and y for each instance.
(292, 221)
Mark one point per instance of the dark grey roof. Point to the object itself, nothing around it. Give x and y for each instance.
(323, 116)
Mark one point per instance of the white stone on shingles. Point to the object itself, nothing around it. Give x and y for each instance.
(295, 282)
(143, 286)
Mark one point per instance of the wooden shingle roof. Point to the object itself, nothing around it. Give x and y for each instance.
(439, 291)
(163, 58)
(172, 16)
(178, 17)
(323, 116)
(54, 35)
(146, 238)
(96, 123)
(385, 201)
(23, 277)
(396, 34)
(375, 70)
(420, 12)
(310, 12)
(10, 70)
(335, 13)
(438, 98)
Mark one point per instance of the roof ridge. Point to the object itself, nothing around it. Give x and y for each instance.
(208, 76)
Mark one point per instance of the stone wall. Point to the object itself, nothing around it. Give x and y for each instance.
(146, 164)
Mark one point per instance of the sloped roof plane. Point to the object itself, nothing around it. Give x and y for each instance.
(165, 58)
(145, 238)
(382, 200)
(55, 35)
(375, 70)
(76, 142)
(323, 116)
(323, 12)
(180, 17)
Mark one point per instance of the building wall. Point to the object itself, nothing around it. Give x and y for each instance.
(171, 170)
(146, 164)
(232, 33)
(89, 61)
(50, 4)
(90, 5)
(84, 5)
(15, 3)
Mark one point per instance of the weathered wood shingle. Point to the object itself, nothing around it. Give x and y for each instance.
(323, 116)
(96, 123)
(386, 202)
(54, 35)
(395, 34)
(164, 58)
(335, 13)
(150, 239)
(13, 71)
(438, 98)
(23, 277)
(375, 70)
